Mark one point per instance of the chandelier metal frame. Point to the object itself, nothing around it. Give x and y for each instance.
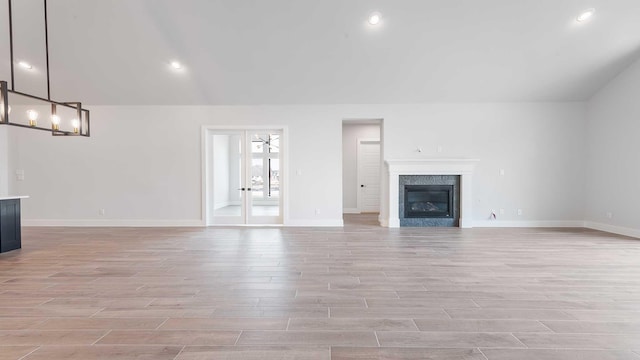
(80, 124)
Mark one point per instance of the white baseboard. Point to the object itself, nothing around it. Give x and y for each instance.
(390, 223)
(531, 224)
(613, 229)
(314, 223)
(326, 223)
(466, 223)
(160, 223)
(111, 223)
(351, 211)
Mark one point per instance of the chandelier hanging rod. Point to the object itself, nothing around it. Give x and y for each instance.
(46, 46)
(13, 78)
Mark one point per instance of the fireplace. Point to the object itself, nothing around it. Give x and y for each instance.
(428, 201)
(411, 172)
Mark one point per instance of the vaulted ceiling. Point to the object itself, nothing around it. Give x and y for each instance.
(117, 52)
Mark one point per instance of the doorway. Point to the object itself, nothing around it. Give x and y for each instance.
(361, 166)
(244, 177)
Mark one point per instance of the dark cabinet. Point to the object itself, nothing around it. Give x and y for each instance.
(10, 230)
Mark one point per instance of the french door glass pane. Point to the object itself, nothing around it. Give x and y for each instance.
(227, 175)
(257, 179)
(274, 143)
(265, 174)
(274, 178)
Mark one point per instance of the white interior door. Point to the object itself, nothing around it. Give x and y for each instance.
(264, 200)
(244, 177)
(369, 175)
(225, 178)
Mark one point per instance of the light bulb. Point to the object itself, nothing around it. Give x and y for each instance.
(32, 114)
(375, 18)
(55, 122)
(25, 65)
(586, 15)
(176, 65)
(2, 110)
(76, 125)
(33, 117)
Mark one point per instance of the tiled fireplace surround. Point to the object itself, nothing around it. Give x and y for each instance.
(462, 167)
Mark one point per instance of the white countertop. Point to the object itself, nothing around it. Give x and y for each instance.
(13, 197)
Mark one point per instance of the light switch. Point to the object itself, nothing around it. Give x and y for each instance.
(501, 172)
(19, 175)
(298, 172)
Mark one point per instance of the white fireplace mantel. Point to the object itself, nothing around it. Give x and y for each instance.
(462, 167)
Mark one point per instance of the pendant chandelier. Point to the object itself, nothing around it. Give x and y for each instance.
(34, 112)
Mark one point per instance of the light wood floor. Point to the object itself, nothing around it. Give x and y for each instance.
(359, 292)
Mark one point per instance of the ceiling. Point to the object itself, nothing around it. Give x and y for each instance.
(117, 52)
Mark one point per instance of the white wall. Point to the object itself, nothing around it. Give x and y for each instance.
(540, 147)
(350, 135)
(613, 176)
(143, 164)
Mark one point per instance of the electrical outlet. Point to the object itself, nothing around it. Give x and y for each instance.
(439, 149)
(501, 172)
(102, 212)
(501, 211)
(317, 211)
(519, 212)
(609, 215)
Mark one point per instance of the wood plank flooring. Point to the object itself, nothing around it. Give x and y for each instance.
(358, 292)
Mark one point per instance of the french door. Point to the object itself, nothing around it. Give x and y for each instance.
(245, 177)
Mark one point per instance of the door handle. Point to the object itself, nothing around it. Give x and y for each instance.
(241, 189)
(361, 186)
(248, 189)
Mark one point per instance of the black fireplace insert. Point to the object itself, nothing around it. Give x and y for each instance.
(428, 201)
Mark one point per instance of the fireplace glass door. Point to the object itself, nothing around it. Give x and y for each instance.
(428, 201)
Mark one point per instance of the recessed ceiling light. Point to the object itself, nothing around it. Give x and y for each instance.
(25, 65)
(586, 15)
(375, 18)
(176, 65)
